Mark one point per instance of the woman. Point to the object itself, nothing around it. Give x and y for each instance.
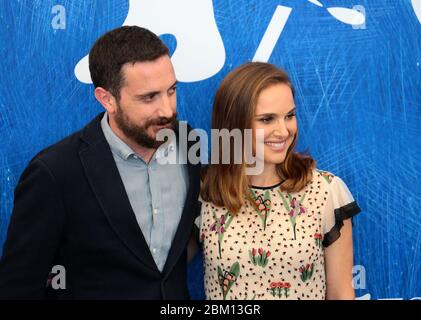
(284, 233)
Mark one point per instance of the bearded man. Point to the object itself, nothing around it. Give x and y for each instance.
(100, 204)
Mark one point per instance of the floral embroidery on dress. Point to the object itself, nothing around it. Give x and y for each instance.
(327, 175)
(273, 248)
(227, 278)
(262, 259)
(295, 209)
(306, 272)
(219, 226)
(277, 289)
(263, 204)
(318, 238)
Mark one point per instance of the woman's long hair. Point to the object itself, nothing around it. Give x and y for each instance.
(226, 185)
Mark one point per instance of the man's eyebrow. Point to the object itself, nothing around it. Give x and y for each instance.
(147, 94)
(174, 84)
(292, 110)
(152, 93)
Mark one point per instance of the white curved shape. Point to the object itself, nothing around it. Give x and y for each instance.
(200, 51)
(82, 70)
(416, 4)
(348, 16)
(317, 3)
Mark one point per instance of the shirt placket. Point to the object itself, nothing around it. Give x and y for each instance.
(157, 230)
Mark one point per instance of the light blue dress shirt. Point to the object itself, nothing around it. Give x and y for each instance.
(156, 191)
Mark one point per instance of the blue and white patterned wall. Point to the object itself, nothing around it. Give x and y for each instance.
(356, 66)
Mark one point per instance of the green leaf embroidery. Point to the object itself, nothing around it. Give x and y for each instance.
(267, 204)
(220, 227)
(227, 279)
(235, 269)
(284, 201)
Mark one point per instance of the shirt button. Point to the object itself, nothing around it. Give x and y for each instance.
(153, 250)
(155, 211)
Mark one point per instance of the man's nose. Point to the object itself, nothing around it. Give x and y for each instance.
(166, 109)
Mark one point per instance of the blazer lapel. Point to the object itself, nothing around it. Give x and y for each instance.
(103, 175)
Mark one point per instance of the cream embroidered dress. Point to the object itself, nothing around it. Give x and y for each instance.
(276, 252)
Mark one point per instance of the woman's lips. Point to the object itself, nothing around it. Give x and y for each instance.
(277, 146)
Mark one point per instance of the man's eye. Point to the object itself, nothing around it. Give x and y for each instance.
(172, 90)
(149, 97)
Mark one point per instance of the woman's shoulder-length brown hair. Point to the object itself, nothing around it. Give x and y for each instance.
(226, 185)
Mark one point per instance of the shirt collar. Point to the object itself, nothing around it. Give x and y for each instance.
(118, 146)
(121, 149)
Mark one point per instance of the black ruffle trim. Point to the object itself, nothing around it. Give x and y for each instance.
(341, 214)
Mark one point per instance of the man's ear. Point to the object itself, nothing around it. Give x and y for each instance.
(107, 100)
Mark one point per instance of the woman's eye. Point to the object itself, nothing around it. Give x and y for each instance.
(290, 115)
(266, 120)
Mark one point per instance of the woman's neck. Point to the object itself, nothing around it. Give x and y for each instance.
(269, 177)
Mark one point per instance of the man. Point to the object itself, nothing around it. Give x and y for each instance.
(100, 204)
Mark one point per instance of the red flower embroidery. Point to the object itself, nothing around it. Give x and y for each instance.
(261, 259)
(318, 239)
(277, 289)
(306, 272)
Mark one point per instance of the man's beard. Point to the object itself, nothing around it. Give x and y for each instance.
(139, 134)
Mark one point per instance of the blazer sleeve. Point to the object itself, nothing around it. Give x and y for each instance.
(33, 236)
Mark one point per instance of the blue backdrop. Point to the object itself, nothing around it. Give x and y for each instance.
(357, 75)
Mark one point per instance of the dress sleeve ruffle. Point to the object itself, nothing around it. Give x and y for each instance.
(340, 206)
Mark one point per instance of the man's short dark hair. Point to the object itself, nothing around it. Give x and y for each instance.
(127, 44)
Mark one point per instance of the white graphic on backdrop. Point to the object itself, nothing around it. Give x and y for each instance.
(317, 3)
(345, 15)
(272, 34)
(348, 16)
(280, 17)
(416, 4)
(200, 52)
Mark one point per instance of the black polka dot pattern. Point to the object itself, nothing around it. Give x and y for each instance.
(275, 252)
